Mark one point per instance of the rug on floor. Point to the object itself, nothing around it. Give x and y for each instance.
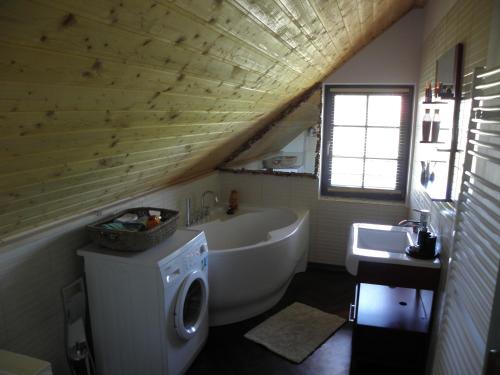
(296, 331)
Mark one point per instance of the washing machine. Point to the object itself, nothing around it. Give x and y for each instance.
(148, 310)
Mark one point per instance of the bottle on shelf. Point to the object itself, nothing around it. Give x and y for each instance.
(437, 89)
(426, 126)
(436, 123)
(428, 92)
(233, 202)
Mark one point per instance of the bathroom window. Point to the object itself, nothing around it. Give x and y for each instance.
(366, 141)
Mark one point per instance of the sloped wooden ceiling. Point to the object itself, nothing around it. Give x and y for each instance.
(104, 99)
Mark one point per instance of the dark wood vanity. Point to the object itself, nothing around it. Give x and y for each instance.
(392, 318)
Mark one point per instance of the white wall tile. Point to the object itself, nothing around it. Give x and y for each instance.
(276, 191)
(330, 219)
(46, 342)
(28, 292)
(304, 191)
(333, 219)
(35, 267)
(250, 190)
(3, 332)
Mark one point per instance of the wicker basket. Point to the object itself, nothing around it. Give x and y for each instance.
(134, 241)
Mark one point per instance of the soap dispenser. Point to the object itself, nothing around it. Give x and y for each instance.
(423, 233)
(426, 240)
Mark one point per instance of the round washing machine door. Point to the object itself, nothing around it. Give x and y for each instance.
(191, 306)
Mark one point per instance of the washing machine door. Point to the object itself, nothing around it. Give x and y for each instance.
(191, 305)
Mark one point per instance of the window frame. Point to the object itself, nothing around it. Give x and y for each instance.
(403, 162)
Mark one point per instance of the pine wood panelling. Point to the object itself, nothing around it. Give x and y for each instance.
(100, 100)
(63, 69)
(24, 123)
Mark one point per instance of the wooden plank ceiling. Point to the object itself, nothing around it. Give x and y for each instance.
(104, 99)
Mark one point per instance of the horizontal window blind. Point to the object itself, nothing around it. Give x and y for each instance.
(366, 141)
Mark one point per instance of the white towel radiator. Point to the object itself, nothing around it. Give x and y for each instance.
(466, 344)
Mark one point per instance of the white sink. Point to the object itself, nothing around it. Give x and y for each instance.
(382, 244)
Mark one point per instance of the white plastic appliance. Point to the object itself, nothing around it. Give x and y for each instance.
(20, 364)
(148, 310)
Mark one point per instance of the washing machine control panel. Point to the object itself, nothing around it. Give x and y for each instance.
(197, 257)
(192, 257)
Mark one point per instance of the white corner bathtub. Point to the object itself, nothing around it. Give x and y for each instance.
(252, 258)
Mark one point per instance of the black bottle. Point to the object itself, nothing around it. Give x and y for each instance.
(426, 242)
(423, 235)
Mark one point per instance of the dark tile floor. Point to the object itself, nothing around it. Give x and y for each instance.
(228, 352)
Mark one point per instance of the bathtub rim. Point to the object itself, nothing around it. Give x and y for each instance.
(288, 231)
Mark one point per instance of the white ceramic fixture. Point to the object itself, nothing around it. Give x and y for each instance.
(20, 364)
(382, 244)
(253, 256)
(148, 310)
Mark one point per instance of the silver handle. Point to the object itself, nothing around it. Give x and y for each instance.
(188, 212)
(352, 312)
(424, 216)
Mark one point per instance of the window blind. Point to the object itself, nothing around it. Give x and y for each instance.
(366, 141)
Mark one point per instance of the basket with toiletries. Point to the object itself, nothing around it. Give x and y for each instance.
(134, 229)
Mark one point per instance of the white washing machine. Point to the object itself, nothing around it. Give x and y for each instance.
(148, 310)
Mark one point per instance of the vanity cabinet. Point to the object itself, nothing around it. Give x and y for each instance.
(392, 315)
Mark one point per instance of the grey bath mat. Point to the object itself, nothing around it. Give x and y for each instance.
(296, 331)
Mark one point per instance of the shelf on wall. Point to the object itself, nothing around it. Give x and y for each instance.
(448, 150)
(435, 102)
(434, 161)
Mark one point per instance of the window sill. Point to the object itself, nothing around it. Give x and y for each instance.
(380, 202)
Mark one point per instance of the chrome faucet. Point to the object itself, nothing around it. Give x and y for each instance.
(416, 224)
(205, 210)
(188, 212)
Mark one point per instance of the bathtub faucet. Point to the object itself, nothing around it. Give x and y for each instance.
(189, 219)
(205, 210)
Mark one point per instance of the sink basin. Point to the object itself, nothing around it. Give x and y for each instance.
(382, 244)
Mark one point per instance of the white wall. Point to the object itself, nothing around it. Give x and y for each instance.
(330, 218)
(444, 26)
(435, 11)
(34, 268)
(392, 58)
(494, 60)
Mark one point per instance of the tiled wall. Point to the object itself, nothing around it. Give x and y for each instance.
(467, 22)
(34, 268)
(330, 218)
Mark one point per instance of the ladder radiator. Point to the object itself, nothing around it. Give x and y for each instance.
(473, 270)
